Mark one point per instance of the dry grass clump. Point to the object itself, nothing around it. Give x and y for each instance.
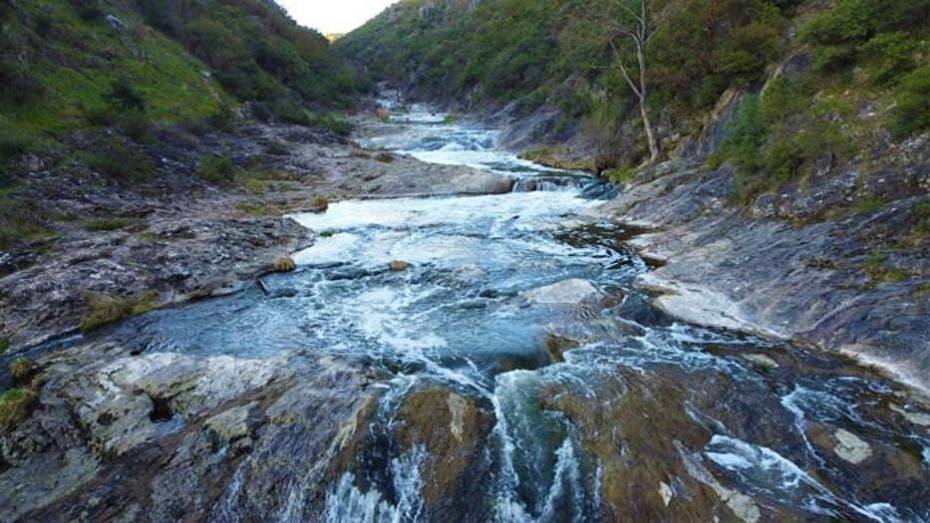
(285, 264)
(104, 309)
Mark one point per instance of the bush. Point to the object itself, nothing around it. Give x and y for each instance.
(4, 345)
(118, 161)
(216, 168)
(19, 221)
(912, 113)
(889, 56)
(17, 83)
(22, 369)
(16, 405)
(103, 309)
(87, 9)
(124, 96)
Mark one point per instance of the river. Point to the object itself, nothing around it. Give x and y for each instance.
(570, 397)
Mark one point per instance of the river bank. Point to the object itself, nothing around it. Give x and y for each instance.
(184, 240)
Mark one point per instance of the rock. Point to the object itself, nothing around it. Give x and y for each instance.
(917, 418)
(398, 265)
(761, 360)
(115, 22)
(851, 448)
(232, 424)
(567, 292)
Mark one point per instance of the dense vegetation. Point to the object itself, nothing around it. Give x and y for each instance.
(74, 71)
(68, 64)
(499, 51)
(808, 67)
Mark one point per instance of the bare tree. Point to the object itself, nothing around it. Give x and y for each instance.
(628, 25)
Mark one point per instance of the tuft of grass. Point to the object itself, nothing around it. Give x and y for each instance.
(22, 369)
(4, 345)
(284, 264)
(326, 234)
(875, 267)
(116, 160)
(319, 203)
(16, 405)
(107, 224)
(20, 221)
(870, 204)
(384, 157)
(104, 309)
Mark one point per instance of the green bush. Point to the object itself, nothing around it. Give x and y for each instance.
(912, 112)
(216, 168)
(16, 405)
(4, 345)
(18, 84)
(116, 160)
(889, 56)
(22, 369)
(124, 96)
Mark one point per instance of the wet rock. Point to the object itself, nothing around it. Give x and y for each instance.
(568, 292)
(453, 429)
(851, 448)
(761, 360)
(917, 418)
(234, 424)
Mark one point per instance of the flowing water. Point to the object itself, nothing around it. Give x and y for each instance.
(597, 408)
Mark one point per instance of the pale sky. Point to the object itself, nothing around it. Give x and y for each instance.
(334, 16)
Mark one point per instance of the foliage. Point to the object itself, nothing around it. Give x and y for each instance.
(912, 113)
(4, 345)
(19, 221)
(216, 168)
(104, 309)
(16, 405)
(121, 162)
(22, 368)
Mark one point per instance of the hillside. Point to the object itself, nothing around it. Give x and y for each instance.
(95, 85)
(72, 64)
(821, 63)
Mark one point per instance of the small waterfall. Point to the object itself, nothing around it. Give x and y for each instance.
(346, 502)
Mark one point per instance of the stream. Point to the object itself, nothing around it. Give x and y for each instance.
(523, 377)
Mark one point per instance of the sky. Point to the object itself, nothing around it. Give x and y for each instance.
(334, 16)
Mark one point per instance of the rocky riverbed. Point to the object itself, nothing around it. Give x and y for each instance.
(448, 358)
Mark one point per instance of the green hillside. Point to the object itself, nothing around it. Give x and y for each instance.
(818, 62)
(68, 64)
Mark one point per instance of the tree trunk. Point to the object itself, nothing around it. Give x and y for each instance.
(650, 136)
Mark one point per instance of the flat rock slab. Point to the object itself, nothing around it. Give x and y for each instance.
(567, 292)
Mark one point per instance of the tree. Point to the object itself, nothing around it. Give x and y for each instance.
(626, 28)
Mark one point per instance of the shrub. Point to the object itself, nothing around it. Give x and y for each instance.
(104, 309)
(333, 123)
(745, 135)
(113, 158)
(19, 221)
(4, 345)
(16, 405)
(912, 113)
(17, 83)
(22, 369)
(620, 175)
(889, 56)
(216, 168)
(124, 96)
(87, 9)
(13, 142)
